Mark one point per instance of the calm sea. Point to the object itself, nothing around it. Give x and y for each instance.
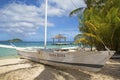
(8, 53)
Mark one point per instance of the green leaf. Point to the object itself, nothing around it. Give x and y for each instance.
(75, 11)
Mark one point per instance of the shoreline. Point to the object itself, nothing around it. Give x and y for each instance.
(22, 69)
(9, 57)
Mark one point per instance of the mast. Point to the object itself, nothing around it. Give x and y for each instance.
(45, 33)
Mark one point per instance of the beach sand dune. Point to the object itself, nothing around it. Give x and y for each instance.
(21, 69)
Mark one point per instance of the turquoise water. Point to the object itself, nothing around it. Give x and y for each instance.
(8, 53)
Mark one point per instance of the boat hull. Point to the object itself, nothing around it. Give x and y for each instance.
(90, 61)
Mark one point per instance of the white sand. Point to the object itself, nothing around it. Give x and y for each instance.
(21, 69)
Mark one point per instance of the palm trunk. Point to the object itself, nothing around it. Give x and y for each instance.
(91, 47)
(116, 46)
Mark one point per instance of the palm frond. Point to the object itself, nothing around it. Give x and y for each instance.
(91, 26)
(78, 36)
(75, 11)
(95, 37)
(81, 40)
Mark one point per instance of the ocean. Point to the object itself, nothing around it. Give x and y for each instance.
(10, 53)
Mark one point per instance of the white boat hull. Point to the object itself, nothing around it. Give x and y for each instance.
(90, 61)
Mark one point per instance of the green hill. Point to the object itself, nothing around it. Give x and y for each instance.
(15, 40)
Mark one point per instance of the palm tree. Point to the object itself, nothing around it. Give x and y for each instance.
(100, 29)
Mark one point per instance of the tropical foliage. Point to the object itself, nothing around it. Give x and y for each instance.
(100, 25)
(15, 40)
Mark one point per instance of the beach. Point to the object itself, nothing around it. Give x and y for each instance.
(22, 69)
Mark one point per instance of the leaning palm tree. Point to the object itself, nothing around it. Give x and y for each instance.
(104, 25)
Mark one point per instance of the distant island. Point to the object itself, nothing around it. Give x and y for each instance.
(15, 40)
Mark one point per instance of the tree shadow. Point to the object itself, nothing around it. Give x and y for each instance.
(112, 70)
(13, 71)
(50, 72)
(55, 73)
(19, 73)
(58, 73)
(115, 60)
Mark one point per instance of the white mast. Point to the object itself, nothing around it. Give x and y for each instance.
(45, 34)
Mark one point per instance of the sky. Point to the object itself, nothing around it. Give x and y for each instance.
(24, 19)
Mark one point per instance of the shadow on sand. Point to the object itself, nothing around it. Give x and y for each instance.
(54, 73)
(44, 72)
(112, 70)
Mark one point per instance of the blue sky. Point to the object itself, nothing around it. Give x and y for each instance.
(24, 19)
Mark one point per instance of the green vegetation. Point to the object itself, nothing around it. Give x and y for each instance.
(99, 24)
(15, 40)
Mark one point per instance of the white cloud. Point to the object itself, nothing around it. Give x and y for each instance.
(64, 7)
(26, 19)
(21, 18)
(61, 7)
(52, 10)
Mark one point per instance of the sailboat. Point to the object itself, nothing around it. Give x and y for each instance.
(78, 59)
